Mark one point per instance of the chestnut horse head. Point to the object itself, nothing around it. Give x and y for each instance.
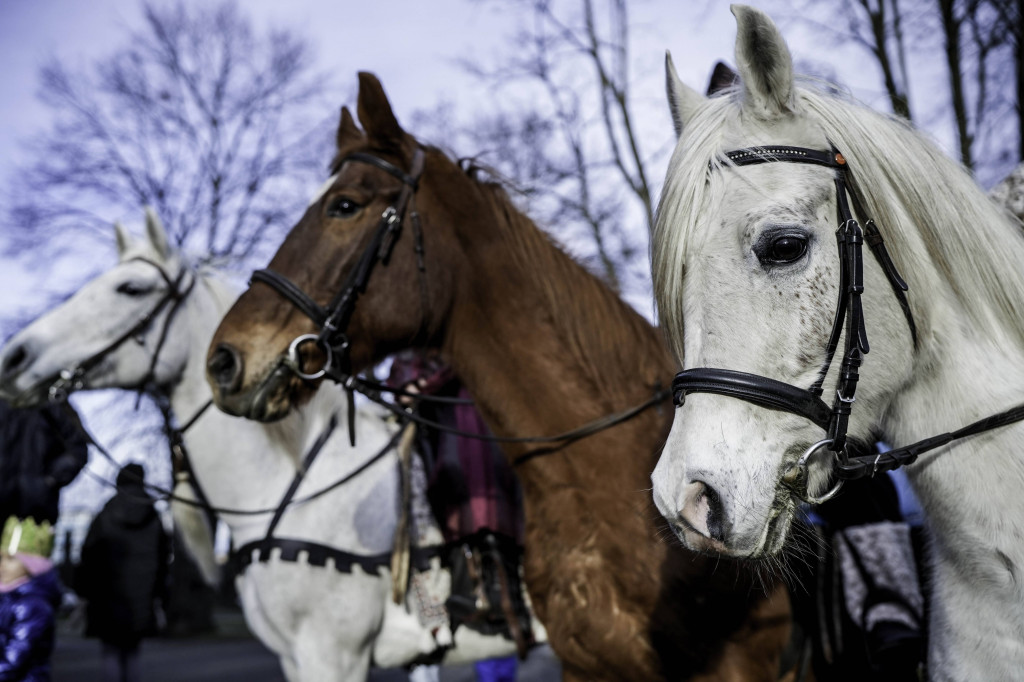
(339, 237)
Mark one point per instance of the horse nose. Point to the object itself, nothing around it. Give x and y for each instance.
(224, 367)
(703, 511)
(14, 361)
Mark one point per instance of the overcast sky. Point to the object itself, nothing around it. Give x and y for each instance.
(412, 45)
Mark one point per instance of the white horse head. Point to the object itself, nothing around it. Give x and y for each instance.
(117, 332)
(120, 321)
(746, 272)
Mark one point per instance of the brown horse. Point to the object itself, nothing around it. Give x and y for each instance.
(544, 347)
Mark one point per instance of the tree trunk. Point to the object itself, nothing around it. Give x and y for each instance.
(1018, 66)
(951, 24)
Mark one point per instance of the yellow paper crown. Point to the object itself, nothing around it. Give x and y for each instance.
(27, 536)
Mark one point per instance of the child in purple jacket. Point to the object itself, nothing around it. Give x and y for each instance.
(29, 596)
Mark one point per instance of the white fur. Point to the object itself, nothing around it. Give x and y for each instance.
(721, 307)
(324, 624)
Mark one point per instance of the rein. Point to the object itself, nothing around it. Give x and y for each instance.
(163, 494)
(290, 548)
(558, 441)
(849, 316)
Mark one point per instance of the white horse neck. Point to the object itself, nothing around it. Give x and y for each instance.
(961, 256)
(246, 464)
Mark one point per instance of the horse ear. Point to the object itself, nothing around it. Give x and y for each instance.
(683, 101)
(764, 62)
(156, 233)
(375, 113)
(124, 239)
(722, 78)
(347, 128)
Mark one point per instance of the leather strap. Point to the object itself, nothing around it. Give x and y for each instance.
(70, 380)
(849, 315)
(333, 319)
(409, 179)
(317, 555)
(759, 390)
(290, 291)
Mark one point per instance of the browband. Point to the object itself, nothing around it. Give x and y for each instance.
(749, 156)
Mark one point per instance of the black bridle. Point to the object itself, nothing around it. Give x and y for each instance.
(334, 319)
(72, 378)
(849, 315)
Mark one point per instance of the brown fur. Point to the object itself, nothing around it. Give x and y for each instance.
(544, 347)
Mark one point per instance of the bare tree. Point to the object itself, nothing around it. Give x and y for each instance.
(572, 143)
(197, 115)
(215, 125)
(980, 42)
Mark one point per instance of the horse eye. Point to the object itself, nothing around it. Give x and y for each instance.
(785, 249)
(343, 207)
(133, 289)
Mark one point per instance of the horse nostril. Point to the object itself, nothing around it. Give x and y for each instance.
(225, 368)
(716, 515)
(14, 361)
(703, 511)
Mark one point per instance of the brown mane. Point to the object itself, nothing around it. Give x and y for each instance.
(580, 309)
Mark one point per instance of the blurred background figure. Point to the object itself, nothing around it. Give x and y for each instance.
(29, 596)
(41, 451)
(123, 574)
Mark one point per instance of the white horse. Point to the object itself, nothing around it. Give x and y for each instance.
(324, 623)
(746, 277)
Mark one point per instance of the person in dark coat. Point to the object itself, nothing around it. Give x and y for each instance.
(41, 451)
(29, 596)
(123, 574)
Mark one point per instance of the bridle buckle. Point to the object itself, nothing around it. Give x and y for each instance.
(68, 381)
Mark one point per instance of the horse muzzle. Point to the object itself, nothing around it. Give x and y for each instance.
(267, 398)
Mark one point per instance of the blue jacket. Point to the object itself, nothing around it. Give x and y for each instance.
(27, 629)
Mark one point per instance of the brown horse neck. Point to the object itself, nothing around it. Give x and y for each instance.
(544, 346)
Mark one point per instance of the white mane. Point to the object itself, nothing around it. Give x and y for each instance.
(930, 211)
